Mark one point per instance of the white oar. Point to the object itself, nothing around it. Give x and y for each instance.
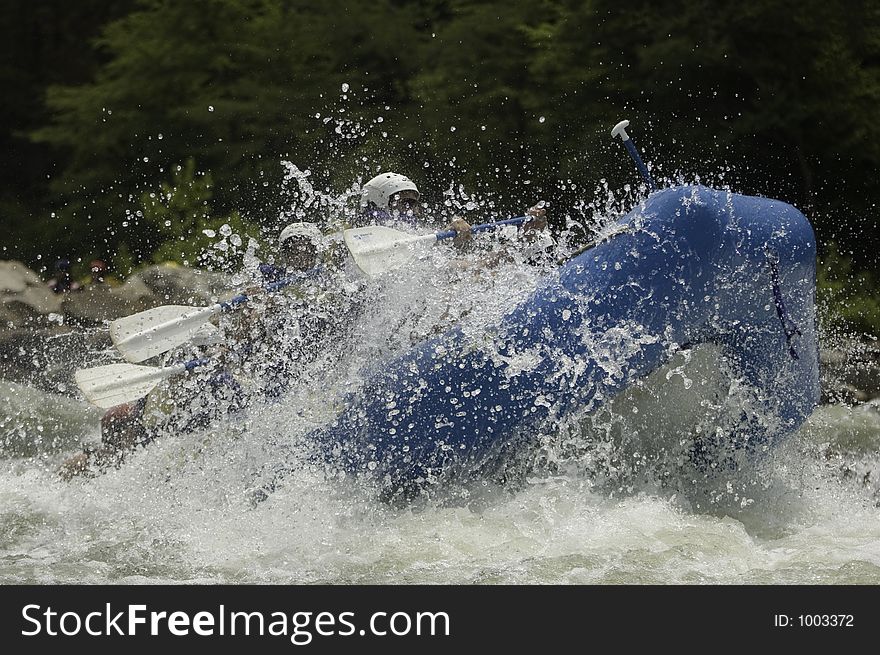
(113, 384)
(377, 249)
(155, 331)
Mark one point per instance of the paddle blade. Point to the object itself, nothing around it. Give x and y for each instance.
(377, 249)
(207, 335)
(113, 384)
(158, 330)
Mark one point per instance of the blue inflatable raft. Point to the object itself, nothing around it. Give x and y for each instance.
(693, 265)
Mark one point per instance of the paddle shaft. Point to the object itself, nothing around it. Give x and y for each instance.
(448, 234)
(620, 130)
(364, 243)
(272, 287)
(631, 148)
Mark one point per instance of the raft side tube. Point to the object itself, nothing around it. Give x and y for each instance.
(699, 266)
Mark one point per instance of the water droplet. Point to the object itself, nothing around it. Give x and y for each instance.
(541, 120)
(345, 87)
(210, 107)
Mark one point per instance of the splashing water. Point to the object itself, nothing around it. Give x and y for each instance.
(608, 497)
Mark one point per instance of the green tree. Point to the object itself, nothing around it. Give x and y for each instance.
(41, 43)
(847, 298)
(187, 231)
(768, 96)
(237, 84)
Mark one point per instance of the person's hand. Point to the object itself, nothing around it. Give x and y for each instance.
(537, 222)
(74, 466)
(463, 231)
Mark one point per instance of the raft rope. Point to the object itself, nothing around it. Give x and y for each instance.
(788, 326)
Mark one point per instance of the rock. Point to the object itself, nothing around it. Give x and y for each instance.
(41, 299)
(840, 393)
(137, 290)
(177, 285)
(23, 296)
(15, 277)
(850, 371)
(26, 301)
(96, 305)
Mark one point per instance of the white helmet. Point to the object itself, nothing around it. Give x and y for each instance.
(302, 229)
(380, 189)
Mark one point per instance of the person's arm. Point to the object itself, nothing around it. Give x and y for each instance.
(272, 272)
(531, 232)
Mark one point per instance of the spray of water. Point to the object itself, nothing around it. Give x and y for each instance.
(612, 495)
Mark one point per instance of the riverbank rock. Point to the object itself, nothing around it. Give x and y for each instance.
(850, 371)
(26, 301)
(46, 336)
(160, 284)
(24, 297)
(172, 284)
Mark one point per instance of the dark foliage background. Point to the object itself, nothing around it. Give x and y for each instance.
(197, 103)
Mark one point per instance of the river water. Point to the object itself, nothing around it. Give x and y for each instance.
(599, 501)
(176, 514)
